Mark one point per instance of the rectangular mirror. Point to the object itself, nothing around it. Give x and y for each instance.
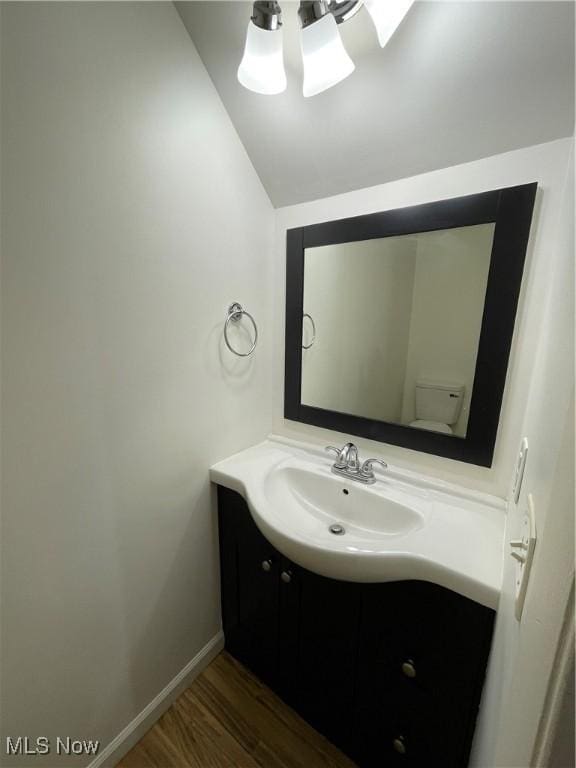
(399, 324)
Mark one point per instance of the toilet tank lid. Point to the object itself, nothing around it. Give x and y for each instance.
(432, 384)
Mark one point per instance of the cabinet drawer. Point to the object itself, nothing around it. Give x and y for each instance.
(422, 656)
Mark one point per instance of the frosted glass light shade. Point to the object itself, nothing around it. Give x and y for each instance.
(387, 15)
(325, 59)
(262, 66)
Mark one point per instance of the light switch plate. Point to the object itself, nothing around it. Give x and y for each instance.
(523, 553)
(520, 464)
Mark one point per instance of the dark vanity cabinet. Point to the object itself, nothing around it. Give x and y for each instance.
(391, 673)
(422, 655)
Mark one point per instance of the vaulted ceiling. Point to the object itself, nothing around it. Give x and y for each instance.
(458, 81)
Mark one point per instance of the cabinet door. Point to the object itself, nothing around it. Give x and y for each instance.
(423, 653)
(290, 585)
(250, 598)
(327, 654)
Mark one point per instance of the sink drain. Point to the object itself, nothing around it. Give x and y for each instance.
(337, 529)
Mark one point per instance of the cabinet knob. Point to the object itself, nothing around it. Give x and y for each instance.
(408, 668)
(399, 745)
(267, 565)
(286, 576)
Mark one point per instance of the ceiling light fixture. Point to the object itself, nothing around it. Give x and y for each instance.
(325, 59)
(387, 16)
(262, 66)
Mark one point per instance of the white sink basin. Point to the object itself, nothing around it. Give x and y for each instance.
(322, 499)
(403, 527)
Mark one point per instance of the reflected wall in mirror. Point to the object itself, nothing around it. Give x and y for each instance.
(397, 325)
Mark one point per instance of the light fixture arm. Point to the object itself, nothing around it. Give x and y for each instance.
(267, 15)
(342, 10)
(312, 10)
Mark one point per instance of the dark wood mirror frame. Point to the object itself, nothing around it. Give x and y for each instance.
(511, 211)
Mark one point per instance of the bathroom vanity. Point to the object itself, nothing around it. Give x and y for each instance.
(382, 650)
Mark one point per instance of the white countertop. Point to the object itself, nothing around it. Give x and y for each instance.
(458, 545)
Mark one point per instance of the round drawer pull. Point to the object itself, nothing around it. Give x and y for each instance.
(267, 566)
(399, 745)
(408, 668)
(286, 577)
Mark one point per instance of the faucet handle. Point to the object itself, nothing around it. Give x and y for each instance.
(368, 466)
(340, 462)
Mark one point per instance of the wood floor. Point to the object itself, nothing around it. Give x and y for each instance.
(228, 719)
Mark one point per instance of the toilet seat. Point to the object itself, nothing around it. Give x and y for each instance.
(432, 426)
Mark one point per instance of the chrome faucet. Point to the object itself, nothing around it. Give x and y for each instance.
(348, 465)
(347, 457)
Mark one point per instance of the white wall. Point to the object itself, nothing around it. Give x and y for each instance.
(524, 653)
(131, 217)
(360, 296)
(545, 164)
(450, 279)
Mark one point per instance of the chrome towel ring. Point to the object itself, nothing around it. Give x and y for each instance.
(235, 313)
(307, 346)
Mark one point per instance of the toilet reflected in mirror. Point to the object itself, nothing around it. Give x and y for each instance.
(438, 406)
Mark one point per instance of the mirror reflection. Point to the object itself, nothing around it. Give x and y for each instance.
(392, 326)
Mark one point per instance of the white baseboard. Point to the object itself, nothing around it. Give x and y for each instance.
(134, 731)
